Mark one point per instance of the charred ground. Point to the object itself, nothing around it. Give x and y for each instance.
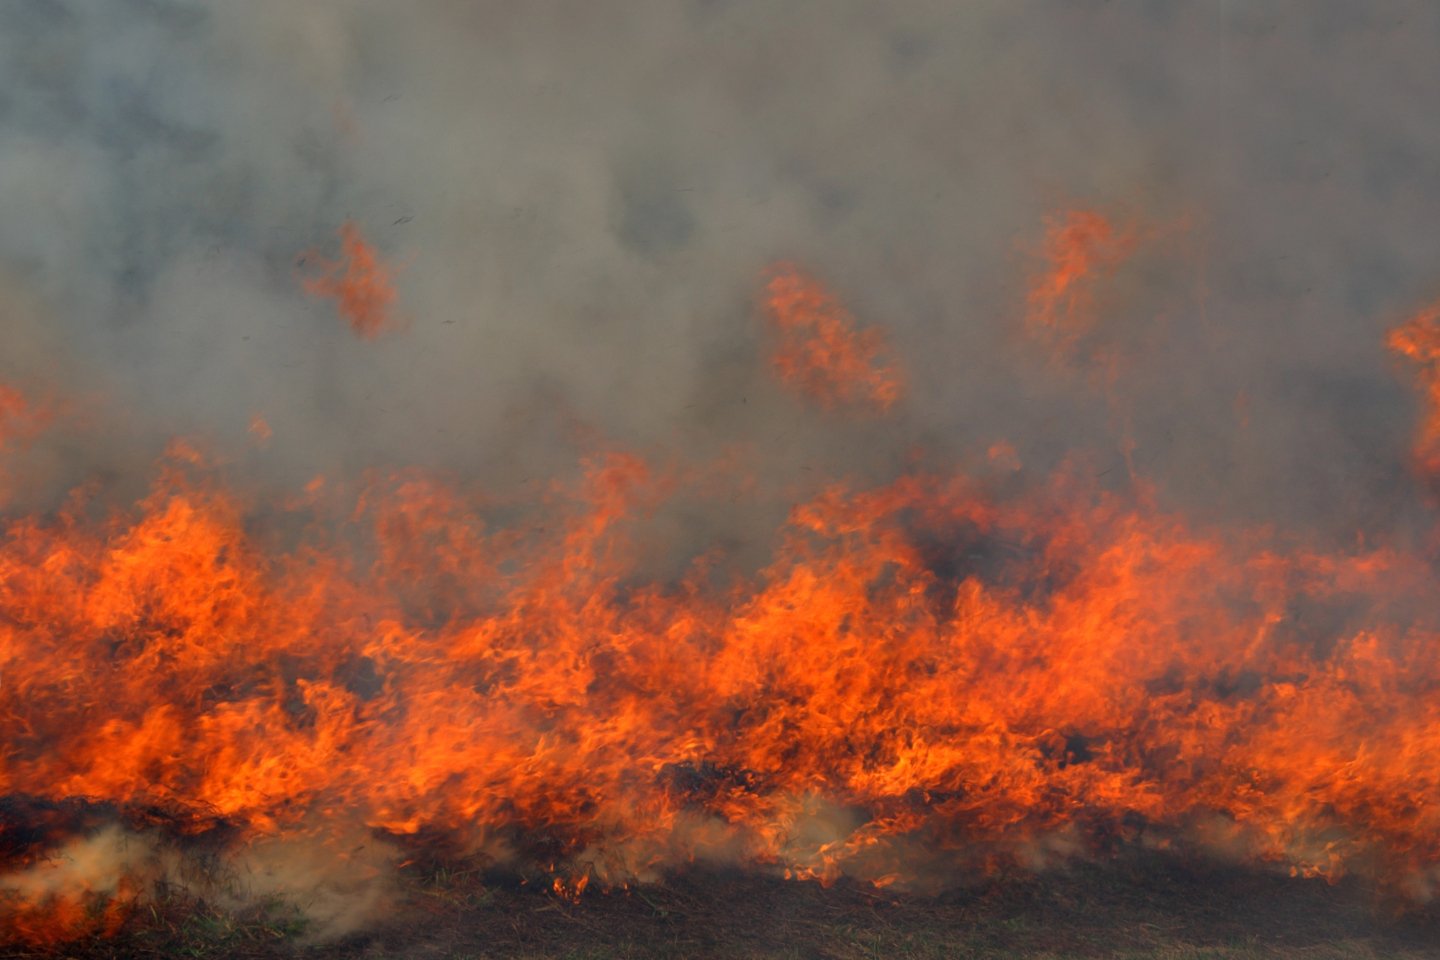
(1137, 906)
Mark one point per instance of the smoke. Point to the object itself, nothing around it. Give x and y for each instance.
(87, 884)
(101, 865)
(339, 885)
(579, 204)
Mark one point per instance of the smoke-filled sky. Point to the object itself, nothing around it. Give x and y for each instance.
(580, 201)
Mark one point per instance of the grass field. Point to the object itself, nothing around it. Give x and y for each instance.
(1147, 908)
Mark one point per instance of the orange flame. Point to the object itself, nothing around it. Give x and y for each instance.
(923, 678)
(818, 350)
(919, 667)
(1419, 339)
(260, 429)
(20, 420)
(359, 283)
(1081, 250)
(60, 898)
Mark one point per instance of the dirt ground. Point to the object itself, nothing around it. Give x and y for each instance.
(1138, 908)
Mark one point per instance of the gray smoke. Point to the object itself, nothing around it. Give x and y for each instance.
(581, 198)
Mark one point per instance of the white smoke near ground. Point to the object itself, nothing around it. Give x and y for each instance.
(340, 884)
(322, 889)
(99, 865)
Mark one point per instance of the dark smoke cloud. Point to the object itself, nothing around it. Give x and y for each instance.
(580, 200)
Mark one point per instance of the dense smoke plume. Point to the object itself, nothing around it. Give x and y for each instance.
(581, 202)
(580, 207)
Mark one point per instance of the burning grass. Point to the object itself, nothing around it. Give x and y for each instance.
(943, 675)
(924, 680)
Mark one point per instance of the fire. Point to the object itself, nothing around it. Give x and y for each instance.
(21, 418)
(1419, 340)
(360, 284)
(925, 678)
(1082, 250)
(260, 430)
(820, 353)
(71, 895)
(21, 421)
(1003, 455)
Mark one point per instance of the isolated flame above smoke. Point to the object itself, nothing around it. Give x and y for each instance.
(1419, 340)
(359, 282)
(1083, 249)
(21, 421)
(819, 351)
(929, 679)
